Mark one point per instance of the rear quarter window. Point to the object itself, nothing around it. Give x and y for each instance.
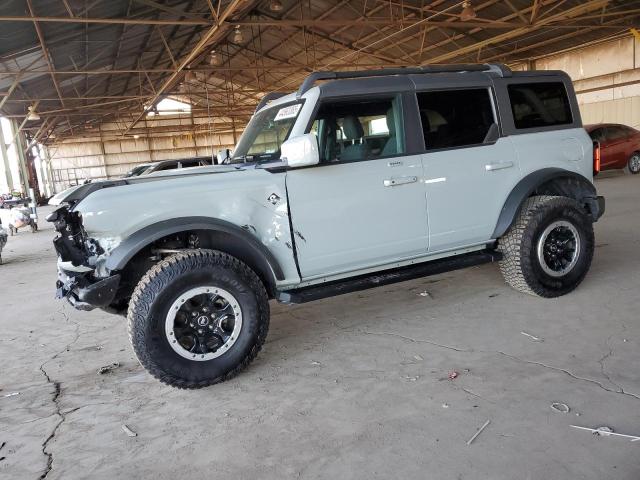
(536, 105)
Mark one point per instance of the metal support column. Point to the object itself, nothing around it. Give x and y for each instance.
(22, 162)
(5, 160)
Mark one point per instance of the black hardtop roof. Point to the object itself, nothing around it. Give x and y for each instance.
(309, 82)
(400, 77)
(405, 78)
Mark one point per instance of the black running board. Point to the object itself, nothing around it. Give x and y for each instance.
(386, 277)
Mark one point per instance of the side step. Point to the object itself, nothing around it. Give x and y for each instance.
(386, 277)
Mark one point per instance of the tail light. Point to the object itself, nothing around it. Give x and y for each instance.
(596, 158)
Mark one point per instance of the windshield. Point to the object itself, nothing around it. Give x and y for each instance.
(265, 133)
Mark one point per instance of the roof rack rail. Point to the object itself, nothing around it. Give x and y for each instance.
(269, 97)
(498, 68)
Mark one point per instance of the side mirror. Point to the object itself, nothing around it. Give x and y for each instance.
(223, 155)
(300, 151)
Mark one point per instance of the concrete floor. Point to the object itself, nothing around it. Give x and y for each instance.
(350, 387)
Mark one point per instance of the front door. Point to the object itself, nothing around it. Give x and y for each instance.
(364, 204)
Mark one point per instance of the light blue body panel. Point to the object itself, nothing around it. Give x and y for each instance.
(240, 197)
(354, 215)
(569, 149)
(466, 188)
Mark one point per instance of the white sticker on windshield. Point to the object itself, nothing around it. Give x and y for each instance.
(287, 112)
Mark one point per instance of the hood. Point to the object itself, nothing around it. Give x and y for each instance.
(58, 198)
(78, 193)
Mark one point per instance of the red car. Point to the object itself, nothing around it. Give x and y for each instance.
(619, 146)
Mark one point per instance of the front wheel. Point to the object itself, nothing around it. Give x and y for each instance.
(548, 250)
(198, 318)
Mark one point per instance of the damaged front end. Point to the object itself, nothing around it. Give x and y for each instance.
(78, 256)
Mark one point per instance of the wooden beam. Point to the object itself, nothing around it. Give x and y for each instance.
(574, 11)
(168, 9)
(226, 14)
(111, 21)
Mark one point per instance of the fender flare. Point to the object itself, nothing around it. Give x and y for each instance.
(527, 185)
(123, 253)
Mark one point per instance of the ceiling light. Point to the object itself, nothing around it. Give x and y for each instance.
(275, 6)
(468, 13)
(238, 37)
(32, 115)
(190, 76)
(136, 136)
(214, 59)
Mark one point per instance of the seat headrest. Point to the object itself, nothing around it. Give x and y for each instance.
(391, 122)
(352, 127)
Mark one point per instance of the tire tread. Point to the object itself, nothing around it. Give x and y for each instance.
(158, 277)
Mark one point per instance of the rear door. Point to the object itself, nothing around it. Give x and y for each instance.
(364, 204)
(469, 169)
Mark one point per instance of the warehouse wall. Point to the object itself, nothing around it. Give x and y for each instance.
(606, 77)
(102, 153)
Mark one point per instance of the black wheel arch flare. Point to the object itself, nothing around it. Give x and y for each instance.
(256, 254)
(547, 181)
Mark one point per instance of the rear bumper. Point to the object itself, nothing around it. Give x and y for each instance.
(596, 207)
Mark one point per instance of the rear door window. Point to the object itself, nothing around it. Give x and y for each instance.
(455, 118)
(542, 104)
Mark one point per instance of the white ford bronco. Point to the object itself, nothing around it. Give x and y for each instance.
(356, 180)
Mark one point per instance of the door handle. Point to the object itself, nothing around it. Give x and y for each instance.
(490, 167)
(395, 181)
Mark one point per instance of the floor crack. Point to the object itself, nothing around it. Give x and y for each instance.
(57, 390)
(419, 340)
(620, 390)
(571, 374)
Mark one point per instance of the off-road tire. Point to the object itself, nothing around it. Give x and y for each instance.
(165, 282)
(520, 265)
(632, 163)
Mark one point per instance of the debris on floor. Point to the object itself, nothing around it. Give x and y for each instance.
(418, 357)
(606, 432)
(532, 337)
(424, 294)
(475, 435)
(445, 405)
(108, 368)
(12, 394)
(453, 375)
(129, 432)
(560, 407)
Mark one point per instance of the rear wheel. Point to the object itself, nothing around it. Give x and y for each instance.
(198, 318)
(633, 165)
(548, 250)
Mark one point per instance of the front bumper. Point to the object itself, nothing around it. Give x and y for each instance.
(84, 292)
(77, 280)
